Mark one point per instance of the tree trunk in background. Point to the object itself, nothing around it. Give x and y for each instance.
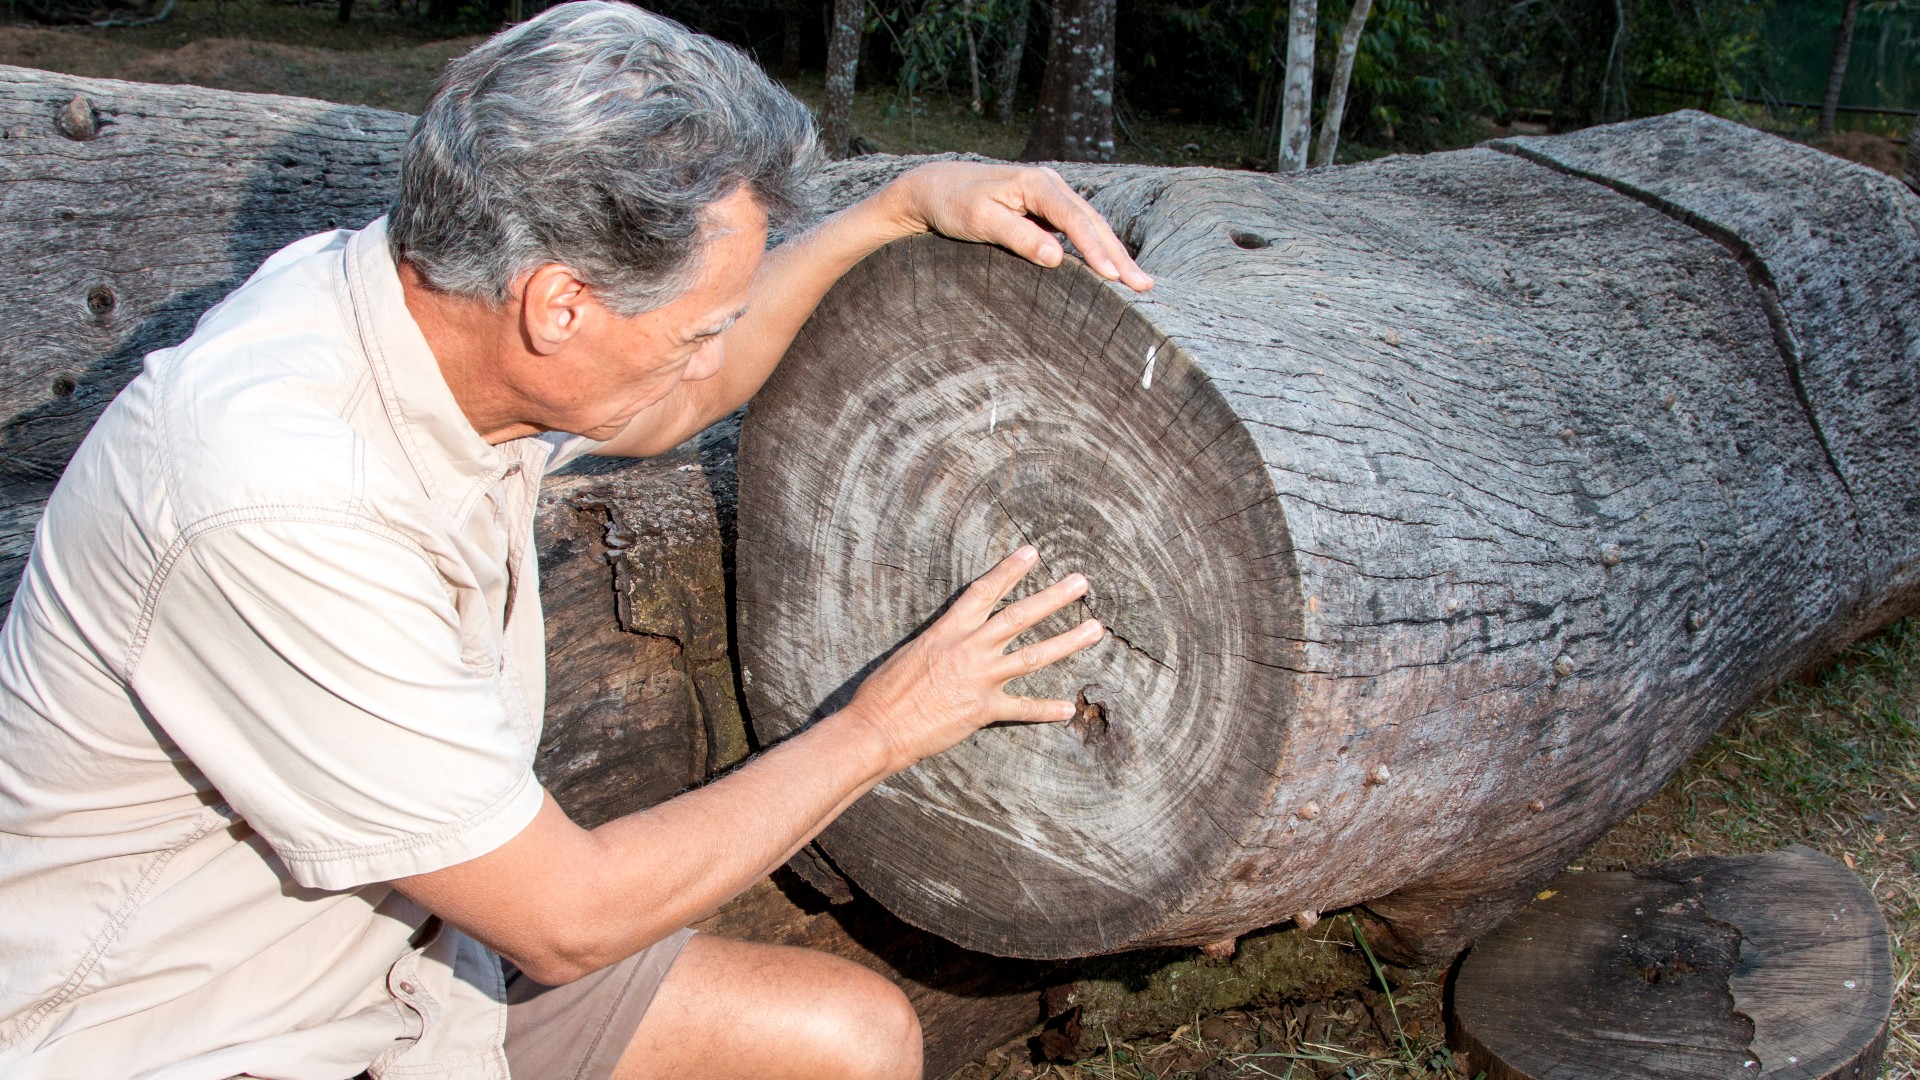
(1337, 90)
(843, 66)
(1006, 72)
(790, 43)
(1439, 508)
(1837, 73)
(1074, 118)
(1296, 95)
(346, 11)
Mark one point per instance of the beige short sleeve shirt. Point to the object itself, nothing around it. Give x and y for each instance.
(279, 642)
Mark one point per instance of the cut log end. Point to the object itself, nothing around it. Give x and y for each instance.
(1771, 965)
(1009, 405)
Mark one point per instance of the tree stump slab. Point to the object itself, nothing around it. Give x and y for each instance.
(1772, 965)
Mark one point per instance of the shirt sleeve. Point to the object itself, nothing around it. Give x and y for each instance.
(314, 673)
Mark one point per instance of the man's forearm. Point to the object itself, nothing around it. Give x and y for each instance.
(584, 899)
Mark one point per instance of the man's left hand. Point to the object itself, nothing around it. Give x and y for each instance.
(1007, 205)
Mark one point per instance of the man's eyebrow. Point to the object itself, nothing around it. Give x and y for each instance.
(723, 326)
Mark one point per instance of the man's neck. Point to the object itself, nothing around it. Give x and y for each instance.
(466, 338)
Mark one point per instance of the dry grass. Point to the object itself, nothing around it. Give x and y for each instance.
(396, 76)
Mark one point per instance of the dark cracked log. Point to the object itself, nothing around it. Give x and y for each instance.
(1439, 507)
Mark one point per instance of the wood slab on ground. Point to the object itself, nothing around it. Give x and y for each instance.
(1772, 965)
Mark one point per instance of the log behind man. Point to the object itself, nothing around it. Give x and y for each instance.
(271, 686)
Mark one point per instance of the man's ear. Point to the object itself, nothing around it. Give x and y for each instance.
(554, 306)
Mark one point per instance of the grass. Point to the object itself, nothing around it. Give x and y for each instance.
(1832, 761)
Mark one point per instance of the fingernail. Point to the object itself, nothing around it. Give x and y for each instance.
(1076, 581)
(1027, 551)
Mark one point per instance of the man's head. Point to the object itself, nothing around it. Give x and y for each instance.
(591, 191)
(595, 135)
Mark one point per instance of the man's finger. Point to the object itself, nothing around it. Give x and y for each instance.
(1016, 618)
(1031, 658)
(987, 589)
(1026, 710)
(1073, 215)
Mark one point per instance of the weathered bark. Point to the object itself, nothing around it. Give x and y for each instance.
(1753, 965)
(1006, 70)
(1296, 93)
(1439, 508)
(843, 66)
(1837, 71)
(1336, 108)
(101, 175)
(1073, 120)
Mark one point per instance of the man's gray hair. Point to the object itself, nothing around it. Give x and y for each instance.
(594, 135)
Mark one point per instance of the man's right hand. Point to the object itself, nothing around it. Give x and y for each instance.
(561, 901)
(951, 680)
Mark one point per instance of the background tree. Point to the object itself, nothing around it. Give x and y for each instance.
(1013, 50)
(1337, 90)
(843, 64)
(1296, 95)
(1837, 74)
(1074, 119)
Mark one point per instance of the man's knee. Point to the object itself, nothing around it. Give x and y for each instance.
(870, 1027)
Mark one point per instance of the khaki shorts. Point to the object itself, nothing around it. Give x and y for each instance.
(578, 1031)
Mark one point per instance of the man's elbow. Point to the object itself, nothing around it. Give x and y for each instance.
(557, 962)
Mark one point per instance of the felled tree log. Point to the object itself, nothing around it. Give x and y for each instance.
(1772, 965)
(127, 209)
(1439, 508)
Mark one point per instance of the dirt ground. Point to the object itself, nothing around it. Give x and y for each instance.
(1832, 761)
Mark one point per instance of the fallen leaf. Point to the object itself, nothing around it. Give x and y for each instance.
(1847, 857)
(1545, 894)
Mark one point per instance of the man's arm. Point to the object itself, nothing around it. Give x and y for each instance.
(996, 204)
(561, 901)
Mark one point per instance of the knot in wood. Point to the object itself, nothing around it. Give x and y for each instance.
(77, 121)
(1696, 621)
(101, 301)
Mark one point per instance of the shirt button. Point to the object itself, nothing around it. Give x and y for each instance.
(406, 987)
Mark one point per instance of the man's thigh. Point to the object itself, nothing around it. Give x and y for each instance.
(732, 1009)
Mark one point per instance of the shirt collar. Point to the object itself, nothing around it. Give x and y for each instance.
(454, 463)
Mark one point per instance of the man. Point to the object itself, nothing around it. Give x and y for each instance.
(270, 688)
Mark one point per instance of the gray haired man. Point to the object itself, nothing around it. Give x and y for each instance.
(271, 685)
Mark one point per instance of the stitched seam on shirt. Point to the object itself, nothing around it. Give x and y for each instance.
(111, 933)
(405, 843)
(382, 374)
(273, 513)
